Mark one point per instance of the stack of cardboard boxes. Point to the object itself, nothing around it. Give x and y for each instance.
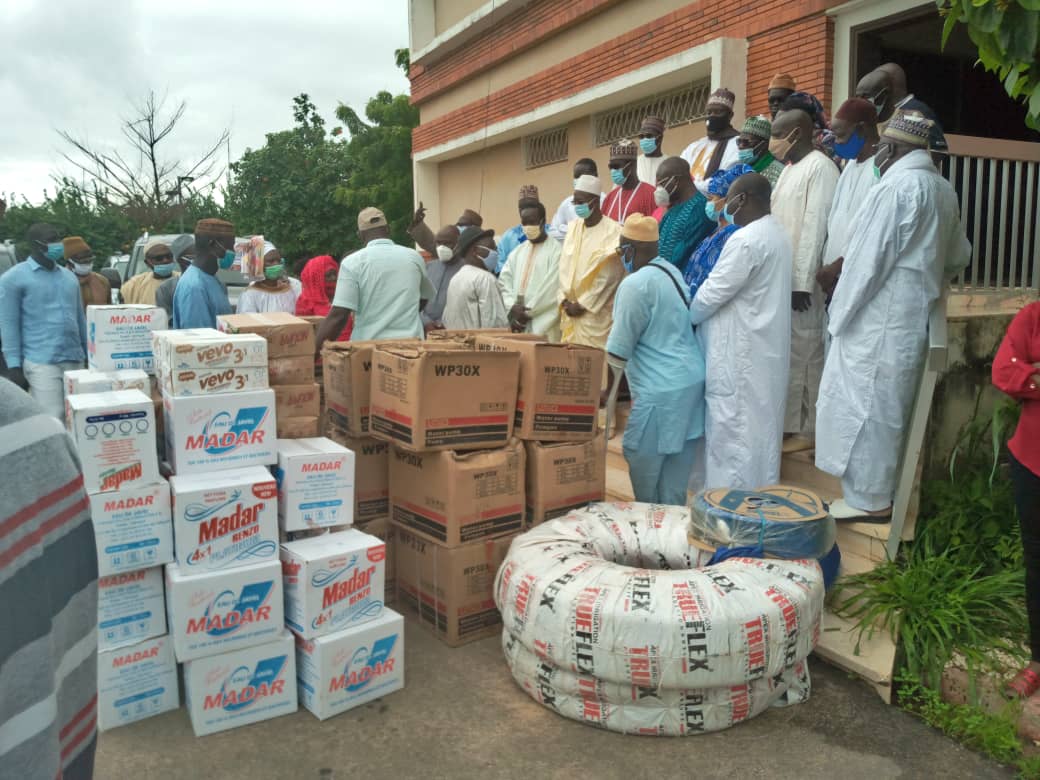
(111, 417)
(290, 368)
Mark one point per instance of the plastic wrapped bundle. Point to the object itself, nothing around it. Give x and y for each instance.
(785, 522)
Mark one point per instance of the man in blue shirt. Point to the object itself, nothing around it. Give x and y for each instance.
(42, 325)
(652, 342)
(200, 298)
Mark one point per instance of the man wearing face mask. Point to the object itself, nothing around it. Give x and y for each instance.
(652, 342)
(565, 214)
(42, 325)
(718, 149)
(590, 270)
(780, 88)
(474, 301)
(685, 224)
(440, 273)
(531, 277)
(651, 140)
(513, 237)
(743, 309)
(906, 246)
(856, 136)
(885, 87)
(446, 239)
(94, 289)
(753, 148)
(629, 196)
(183, 249)
(200, 298)
(707, 253)
(801, 202)
(143, 287)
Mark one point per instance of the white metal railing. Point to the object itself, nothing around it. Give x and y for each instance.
(998, 184)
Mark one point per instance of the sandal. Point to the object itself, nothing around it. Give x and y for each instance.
(842, 512)
(1023, 685)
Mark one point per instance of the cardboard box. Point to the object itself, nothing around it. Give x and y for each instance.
(136, 682)
(223, 610)
(559, 391)
(564, 476)
(132, 527)
(87, 380)
(457, 497)
(465, 335)
(208, 348)
(228, 430)
(431, 399)
(115, 435)
(452, 589)
(224, 519)
(246, 686)
(371, 475)
(188, 382)
(120, 336)
(302, 400)
(315, 484)
(291, 370)
(332, 582)
(130, 607)
(340, 671)
(299, 427)
(286, 334)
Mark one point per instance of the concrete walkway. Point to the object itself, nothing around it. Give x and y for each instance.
(461, 716)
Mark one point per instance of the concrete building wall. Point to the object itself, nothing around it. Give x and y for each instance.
(448, 13)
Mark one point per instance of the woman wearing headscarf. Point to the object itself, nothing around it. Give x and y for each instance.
(272, 293)
(707, 252)
(319, 277)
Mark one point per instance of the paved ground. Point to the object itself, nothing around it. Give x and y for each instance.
(460, 716)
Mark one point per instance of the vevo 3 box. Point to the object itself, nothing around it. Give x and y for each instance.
(121, 336)
(136, 682)
(559, 391)
(340, 671)
(211, 432)
(332, 582)
(132, 527)
(245, 686)
(457, 497)
(186, 382)
(564, 476)
(221, 611)
(433, 399)
(315, 484)
(130, 607)
(224, 519)
(115, 436)
(208, 349)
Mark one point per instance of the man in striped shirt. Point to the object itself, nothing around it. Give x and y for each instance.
(48, 599)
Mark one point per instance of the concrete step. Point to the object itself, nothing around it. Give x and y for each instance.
(799, 468)
(873, 660)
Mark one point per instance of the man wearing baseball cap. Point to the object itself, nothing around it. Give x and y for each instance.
(384, 285)
(652, 342)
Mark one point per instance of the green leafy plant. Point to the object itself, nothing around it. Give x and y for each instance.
(1007, 34)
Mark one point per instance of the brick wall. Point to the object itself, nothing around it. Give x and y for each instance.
(784, 35)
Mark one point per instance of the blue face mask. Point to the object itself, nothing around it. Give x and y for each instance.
(491, 260)
(163, 269)
(709, 211)
(624, 258)
(647, 145)
(617, 175)
(227, 260)
(583, 210)
(746, 156)
(728, 215)
(851, 148)
(56, 252)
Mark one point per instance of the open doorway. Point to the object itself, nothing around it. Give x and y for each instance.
(967, 99)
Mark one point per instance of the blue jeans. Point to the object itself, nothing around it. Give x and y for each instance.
(660, 479)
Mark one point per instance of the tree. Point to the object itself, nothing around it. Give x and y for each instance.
(381, 153)
(1007, 34)
(140, 178)
(286, 190)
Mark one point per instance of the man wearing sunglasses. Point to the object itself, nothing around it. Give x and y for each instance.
(143, 287)
(42, 324)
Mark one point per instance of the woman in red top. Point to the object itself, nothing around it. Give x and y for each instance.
(1016, 371)
(319, 287)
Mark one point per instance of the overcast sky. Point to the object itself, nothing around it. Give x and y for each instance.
(78, 65)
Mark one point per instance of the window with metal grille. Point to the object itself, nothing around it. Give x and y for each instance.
(676, 108)
(545, 148)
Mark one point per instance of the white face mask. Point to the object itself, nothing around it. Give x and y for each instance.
(662, 195)
(444, 253)
(82, 269)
